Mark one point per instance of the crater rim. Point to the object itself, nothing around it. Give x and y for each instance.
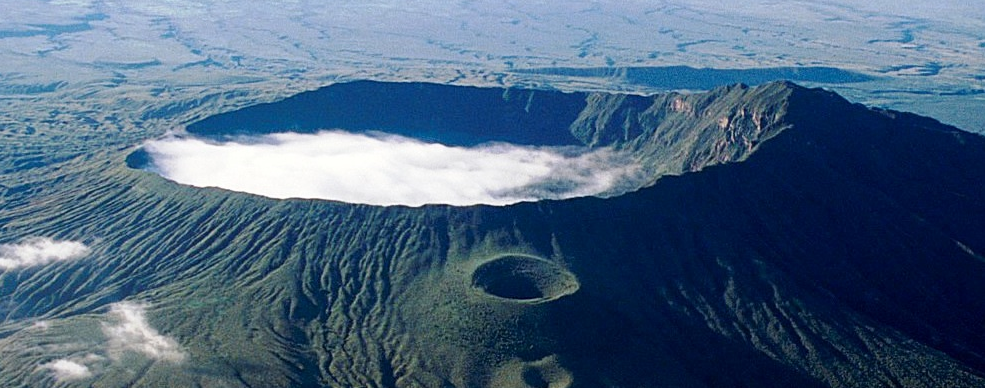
(523, 278)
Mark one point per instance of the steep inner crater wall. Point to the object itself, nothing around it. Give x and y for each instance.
(450, 115)
(416, 143)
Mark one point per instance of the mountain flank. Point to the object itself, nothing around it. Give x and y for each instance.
(787, 238)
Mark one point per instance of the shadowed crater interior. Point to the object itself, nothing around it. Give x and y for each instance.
(524, 278)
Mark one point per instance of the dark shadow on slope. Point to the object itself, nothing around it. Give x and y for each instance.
(139, 159)
(852, 211)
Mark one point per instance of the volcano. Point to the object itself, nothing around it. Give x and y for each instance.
(786, 237)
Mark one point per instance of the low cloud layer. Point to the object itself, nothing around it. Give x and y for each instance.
(131, 332)
(67, 370)
(388, 170)
(126, 331)
(39, 251)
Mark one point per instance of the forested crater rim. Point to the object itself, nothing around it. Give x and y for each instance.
(524, 279)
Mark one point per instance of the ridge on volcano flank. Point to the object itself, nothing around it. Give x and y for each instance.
(428, 143)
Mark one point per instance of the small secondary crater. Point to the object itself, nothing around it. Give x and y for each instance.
(524, 278)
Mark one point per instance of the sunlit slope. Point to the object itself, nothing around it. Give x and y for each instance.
(842, 250)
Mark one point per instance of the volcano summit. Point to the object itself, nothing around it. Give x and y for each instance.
(780, 236)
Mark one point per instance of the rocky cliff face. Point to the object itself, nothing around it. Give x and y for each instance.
(798, 239)
(675, 133)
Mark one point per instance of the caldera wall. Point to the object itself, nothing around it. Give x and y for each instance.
(452, 115)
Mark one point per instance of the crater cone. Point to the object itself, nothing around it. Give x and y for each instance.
(524, 278)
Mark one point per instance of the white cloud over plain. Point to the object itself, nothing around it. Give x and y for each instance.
(388, 169)
(67, 370)
(39, 251)
(132, 332)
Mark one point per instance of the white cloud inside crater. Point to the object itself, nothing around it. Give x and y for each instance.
(389, 170)
(38, 251)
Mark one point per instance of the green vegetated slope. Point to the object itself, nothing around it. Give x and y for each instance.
(843, 248)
